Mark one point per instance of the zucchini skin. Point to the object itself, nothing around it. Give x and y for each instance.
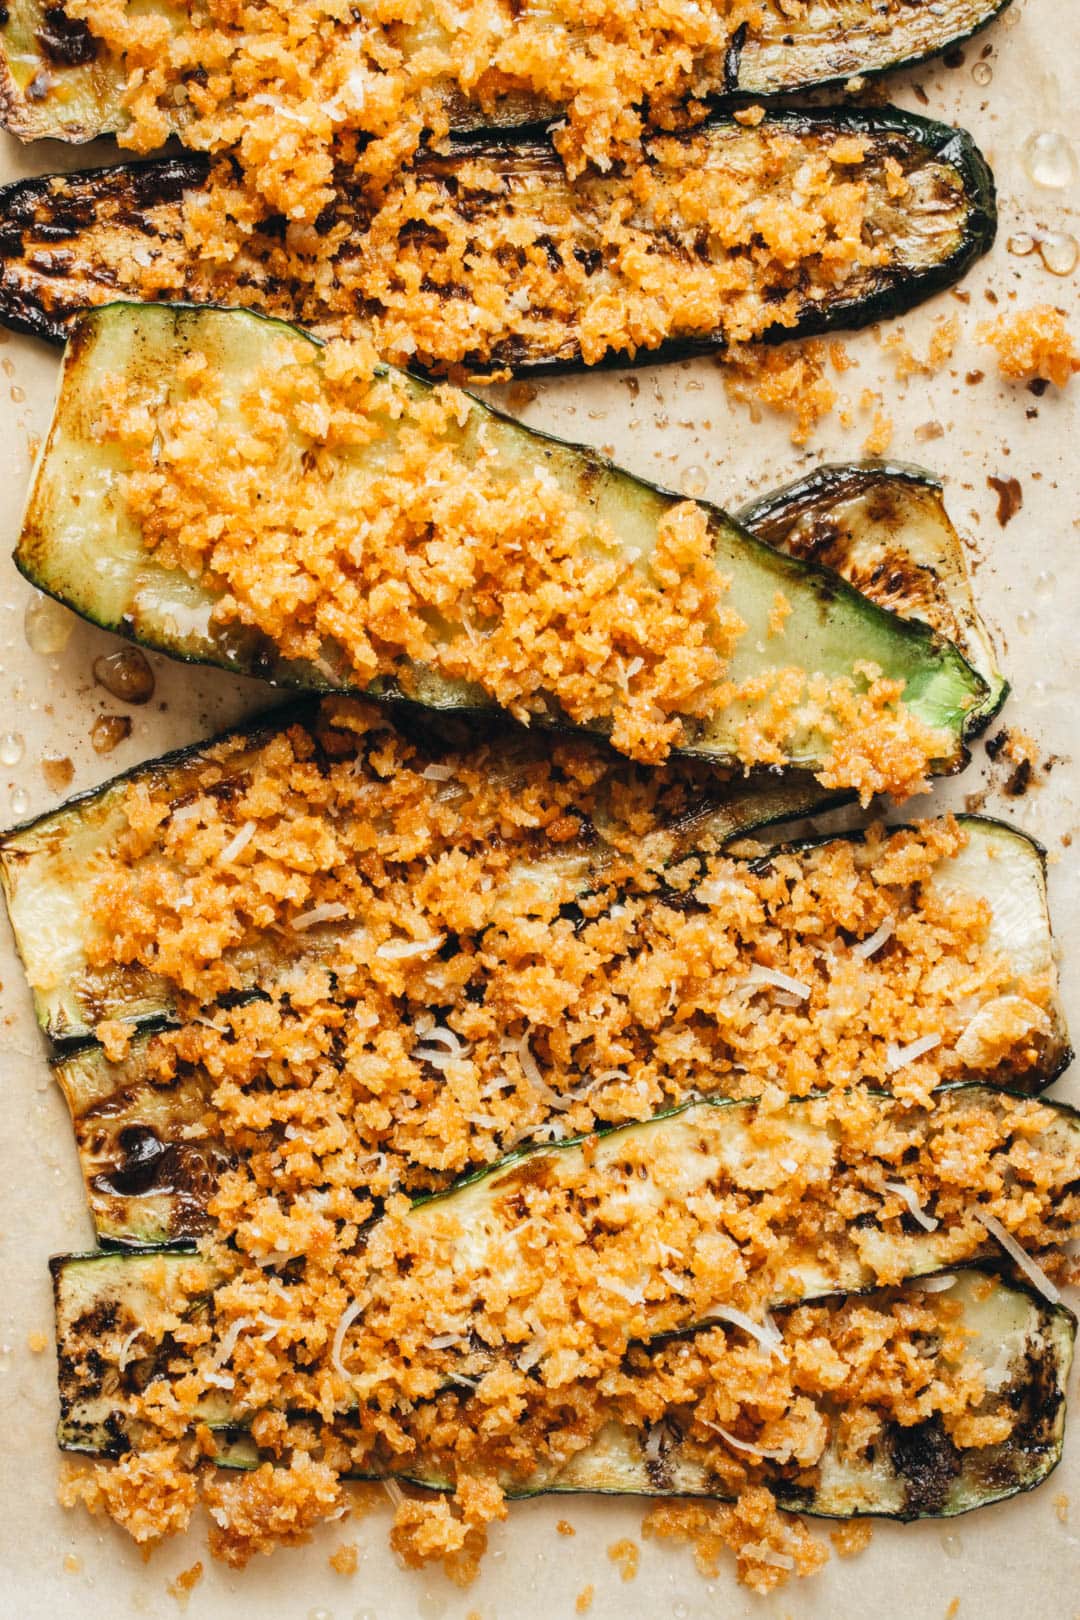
(57, 209)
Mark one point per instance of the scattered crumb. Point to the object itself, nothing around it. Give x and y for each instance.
(769, 1546)
(1010, 496)
(1021, 752)
(879, 438)
(36, 1343)
(953, 1609)
(584, 1599)
(790, 379)
(72, 1563)
(565, 1528)
(906, 363)
(852, 1538)
(627, 1554)
(1061, 1507)
(345, 1559)
(185, 1583)
(1032, 342)
(750, 116)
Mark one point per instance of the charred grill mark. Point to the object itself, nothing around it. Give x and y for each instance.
(66, 40)
(927, 1462)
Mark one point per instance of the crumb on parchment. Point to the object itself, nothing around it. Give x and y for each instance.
(1033, 343)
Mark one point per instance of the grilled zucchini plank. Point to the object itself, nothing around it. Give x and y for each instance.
(80, 544)
(57, 81)
(148, 1151)
(76, 241)
(1023, 1346)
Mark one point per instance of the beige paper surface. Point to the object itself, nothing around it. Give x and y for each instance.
(1010, 1562)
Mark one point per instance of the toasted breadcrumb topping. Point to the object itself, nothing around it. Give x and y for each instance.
(1033, 343)
(517, 943)
(486, 260)
(287, 87)
(372, 528)
(488, 1340)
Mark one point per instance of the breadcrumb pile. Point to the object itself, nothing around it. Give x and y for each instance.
(372, 529)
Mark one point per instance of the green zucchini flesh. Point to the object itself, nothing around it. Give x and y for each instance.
(58, 82)
(79, 542)
(150, 1157)
(71, 242)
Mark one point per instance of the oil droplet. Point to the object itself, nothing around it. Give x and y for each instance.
(109, 731)
(1059, 252)
(57, 770)
(1025, 621)
(1050, 160)
(982, 73)
(365, 1614)
(12, 747)
(1045, 583)
(320, 1614)
(1021, 244)
(48, 626)
(431, 1605)
(17, 394)
(695, 481)
(126, 674)
(951, 1545)
(20, 801)
(679, 1611)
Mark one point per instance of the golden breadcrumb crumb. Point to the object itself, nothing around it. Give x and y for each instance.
(583, 1601)
(345, 1560)
(185, 1583)
(769, 1546)
(852, 1538)
(625, 1555)
(1033, 343)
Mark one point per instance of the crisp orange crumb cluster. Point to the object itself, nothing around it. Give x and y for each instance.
(1033, 343)
(289, 87)
(349, 514)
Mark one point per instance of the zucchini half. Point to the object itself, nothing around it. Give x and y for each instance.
(58, 82)
(71, 242)
(150, 1159)
(884, 527)
(1023, 1345)
(79, 544)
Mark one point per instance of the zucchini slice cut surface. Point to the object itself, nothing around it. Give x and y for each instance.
(92, 553)
(76, 241)
(58, 81)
